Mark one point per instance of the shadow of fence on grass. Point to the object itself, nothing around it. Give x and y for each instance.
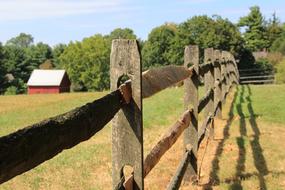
(259, 159)
(241, 101)
(214, 178)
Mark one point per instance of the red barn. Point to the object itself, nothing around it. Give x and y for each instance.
(48, 82)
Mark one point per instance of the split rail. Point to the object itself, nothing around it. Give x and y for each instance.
(30, 146)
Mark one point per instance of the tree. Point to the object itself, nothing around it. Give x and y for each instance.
(14, 61)
(279, 44)
(3, 71)
(255, 35)
(156, 50)
(87, 62)
(274, 29)
(124, 33)
(206, 32)
(22, 40)
(36, 55)
(56, 53)
(22, 57)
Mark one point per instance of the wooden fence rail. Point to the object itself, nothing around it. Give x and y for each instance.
(29, 147)
(257, 76)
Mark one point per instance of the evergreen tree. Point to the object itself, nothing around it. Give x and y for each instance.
(274, 29)
(255, 34)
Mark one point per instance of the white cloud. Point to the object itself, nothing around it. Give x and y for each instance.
(36, 9)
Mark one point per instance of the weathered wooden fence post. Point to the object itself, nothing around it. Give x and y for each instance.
(209, 84)
(231, 68)
(218, 91)
(224, 75)
(228, 68)
(191, 57)
(127, 132)
(235, 69)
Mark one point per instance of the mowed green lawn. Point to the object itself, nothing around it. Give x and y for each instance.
(88, 165)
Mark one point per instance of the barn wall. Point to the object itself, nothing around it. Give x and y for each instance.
(65, 84)
(43, 90)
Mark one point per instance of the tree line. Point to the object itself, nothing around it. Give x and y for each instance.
(87, 61)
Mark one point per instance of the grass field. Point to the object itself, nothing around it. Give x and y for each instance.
(88, 165)
(248, 150)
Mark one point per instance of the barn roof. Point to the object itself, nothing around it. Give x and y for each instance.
(46, 77)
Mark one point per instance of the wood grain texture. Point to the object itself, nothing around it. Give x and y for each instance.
(166, 142)
(29, 147)
(157, 79)
(191, 84)
(127, 131)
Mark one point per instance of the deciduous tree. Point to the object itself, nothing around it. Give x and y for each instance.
(87, 62)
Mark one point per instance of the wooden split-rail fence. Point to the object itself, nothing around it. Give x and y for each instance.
(31, 146)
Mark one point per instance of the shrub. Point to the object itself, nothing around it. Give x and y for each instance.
(263, 63)
(12, 90)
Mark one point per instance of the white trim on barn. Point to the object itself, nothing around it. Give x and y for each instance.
(46, 77)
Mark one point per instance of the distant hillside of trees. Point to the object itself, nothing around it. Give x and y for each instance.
(87, 61)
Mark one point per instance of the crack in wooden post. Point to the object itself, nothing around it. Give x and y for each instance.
(191, 57)
(127, 133)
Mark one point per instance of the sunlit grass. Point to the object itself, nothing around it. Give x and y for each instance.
(88, 165)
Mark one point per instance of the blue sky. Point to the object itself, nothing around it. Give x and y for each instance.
(61, 21)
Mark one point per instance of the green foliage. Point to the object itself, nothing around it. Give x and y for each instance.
(124, 33)
(279, 44)
(36, 55)
(3, 71)
(22, 40)
(21, 57)
(208, 32)
(87, 62)
(12, 90)
(14, 60)
(263, 64)
(156, 50)
(274, 29)
(56, 52)
(255, 31)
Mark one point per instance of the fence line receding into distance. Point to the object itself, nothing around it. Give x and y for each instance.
(29, 147)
